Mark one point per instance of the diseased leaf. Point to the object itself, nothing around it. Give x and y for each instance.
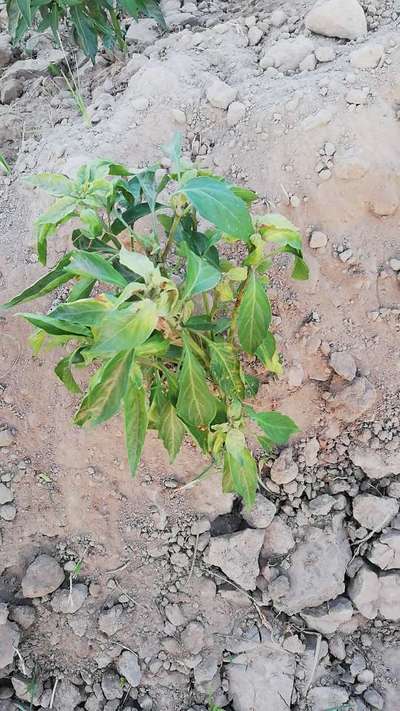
(136, 419)
(254, 315)
(89, 264)
(82, 289)
(89, 312)
(268, 354)
(276, 228)
(200, 276)
(54, 326)
(225, 368)
(171, 430)
(203, 322)
(136, 262)
(196, 405)
(276, 426)
(64, 372)
(44, 285)
(125, 329)
(216, 202)
(61, 208)
(53, 183)
(252, 385)
(240, 469)
(106, 391)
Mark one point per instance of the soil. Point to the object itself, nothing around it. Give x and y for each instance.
(328, 158)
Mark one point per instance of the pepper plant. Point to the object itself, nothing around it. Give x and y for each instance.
(170, 323)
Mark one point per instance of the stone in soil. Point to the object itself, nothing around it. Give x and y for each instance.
(278, 540)
(284, 469)
(112, 620)
(236, 113)
(344, 19)
(389, 595)
(363, 590)
(27, 689)
(6, 494)
(69, 600)
(262, 678)
(367, 57)
(385, 551)
(67, 696)
(374, 512)
(8, 512)
(343, 364)
(192, 637)
(220, 94)
(6, 438)
(5, 50)
(23, 615)
(287, 54)
(353, 400)
(328, 618)
(321, 698)
(261, 514)
(317, 569)
(9, 641)
(142, 32)
(42, 577)
(237, 555)
(128, 667)
(376, 464)
(111, 686)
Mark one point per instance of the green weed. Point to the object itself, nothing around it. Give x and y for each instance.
(174, 332)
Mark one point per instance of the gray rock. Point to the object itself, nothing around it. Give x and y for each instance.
(128, 667)
(278, 540)
(5, 50)
(344, 19)
(322, 504)
(9, 641)
(69, 600)
(33, 68)
(389, 595)
(318, 240)
(237, 555)
(357, 96)
(67, 696)
(93, 703)
(310, 452)
(374, 699)
(352, 401)
(367, 57)
(143, 32)
(262, 678)
(112, 620)
(111, 686)
(6, 494)
(287, 54)
(255, 36)
(376, 464)
(343, 364)
(27, 689)
(192, 637)
(321, 698)
(220, 94)
(329, 618)
(374, 512)
(8, 512)
(317, 569)
(325, 54)
(23, 615)
(6, 438)
(278, 18)
(42, 577)
(364, 590)
(385, 551)
(284, 469)
(261, 514)
(207, 669)
(236, 113)
(10, 89)
(174, 615)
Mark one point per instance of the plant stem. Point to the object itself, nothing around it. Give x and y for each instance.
(171, 236)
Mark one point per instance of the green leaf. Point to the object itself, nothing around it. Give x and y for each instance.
(89, 264)
(248, 196)
(53, 183)
(61, 208)
(225, 368)
(44, 285)
(201, 276)
(156, 345)
(82, 289)
(136, 420)
(300, 271)
(24, 7)
(63, 371)
(171, 430)
(254, 315)
(106, 390)
(196, 404)
(268, 354)
(240, 469)
(216, 202)
(44, 231)
(89, 312)
(203, 322)
(54, 326)
(276, 426)
(87, 37)
(137, 262)
(126, 329)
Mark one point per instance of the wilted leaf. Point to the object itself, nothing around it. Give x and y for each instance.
(171, 430)
(125, 329)
(196, 404)
(136, 420)
(269, 355)
(225, 368)
(108, 387)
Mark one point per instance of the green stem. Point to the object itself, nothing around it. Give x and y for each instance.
(171, 236)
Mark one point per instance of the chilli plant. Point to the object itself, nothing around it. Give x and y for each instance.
(171, 324)
(89, 20)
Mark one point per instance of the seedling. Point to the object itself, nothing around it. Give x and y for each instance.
(89, 20)
(169, 321)
(5, 166)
